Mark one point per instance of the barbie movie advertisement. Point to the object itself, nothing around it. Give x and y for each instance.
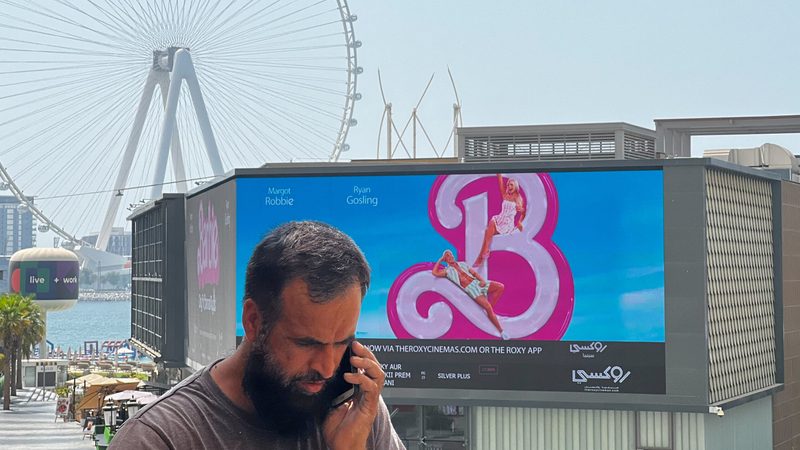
(477, 278)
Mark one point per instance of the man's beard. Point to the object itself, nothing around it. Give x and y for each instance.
(278, 400)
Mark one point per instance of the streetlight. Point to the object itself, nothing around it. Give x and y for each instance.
(133, 407)
(110, 415)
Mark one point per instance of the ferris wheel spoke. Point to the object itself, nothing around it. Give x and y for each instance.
(127, 23)
(54, 69)
(190, 141)
(52, 31)
(298, 142)
(78, 78)
(246, 122)
(288, 80)
(217, 26)
(141, 23)
(112, 30)
(45, 90)
(209, 22)
(288, 89)
(67, 50)
(219, 29)
(277, 79)
(73, 106)
(257, 103)
(292, 99)
(73, 97)
(225, 119)
(68, 142)
(67, 121)
(233, 40)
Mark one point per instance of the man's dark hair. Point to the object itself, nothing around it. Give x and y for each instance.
(327, 260)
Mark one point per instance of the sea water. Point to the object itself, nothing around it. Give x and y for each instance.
(89, 320)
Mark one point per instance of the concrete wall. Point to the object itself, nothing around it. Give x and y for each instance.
(786, 404)
(745, 427)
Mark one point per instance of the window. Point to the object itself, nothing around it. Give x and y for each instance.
(442, 427)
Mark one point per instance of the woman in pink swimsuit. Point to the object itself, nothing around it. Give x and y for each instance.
(505, 222)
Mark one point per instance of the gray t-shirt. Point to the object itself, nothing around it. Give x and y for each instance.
(196, 414)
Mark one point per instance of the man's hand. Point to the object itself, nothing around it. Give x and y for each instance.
(348, 426)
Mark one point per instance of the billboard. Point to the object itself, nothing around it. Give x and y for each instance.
(45, 280)
(210, 279)
(513, 281)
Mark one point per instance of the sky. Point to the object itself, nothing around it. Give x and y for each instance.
(513, 63)
(533, 62)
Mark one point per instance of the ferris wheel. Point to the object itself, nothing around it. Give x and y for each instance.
(104, 104)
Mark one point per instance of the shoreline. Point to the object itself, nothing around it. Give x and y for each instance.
(104, 296)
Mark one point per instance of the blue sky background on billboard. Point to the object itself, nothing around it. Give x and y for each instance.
(610, 232)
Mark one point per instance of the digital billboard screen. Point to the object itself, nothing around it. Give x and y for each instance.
(514, 281)
(45, 280)
(210, 251)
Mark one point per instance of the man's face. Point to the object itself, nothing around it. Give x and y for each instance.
(448, 257)
(288, 371)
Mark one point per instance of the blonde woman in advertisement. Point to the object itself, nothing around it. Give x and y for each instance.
(512, 212)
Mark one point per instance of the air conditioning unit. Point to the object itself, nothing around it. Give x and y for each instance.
(768, 156)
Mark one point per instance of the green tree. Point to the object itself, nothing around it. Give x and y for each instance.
(20, 324)
(87, 278)
(32, 337)
(114, 279)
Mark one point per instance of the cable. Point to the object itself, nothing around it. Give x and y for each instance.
(79, 194)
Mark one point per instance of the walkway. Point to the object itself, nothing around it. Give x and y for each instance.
(30, 425)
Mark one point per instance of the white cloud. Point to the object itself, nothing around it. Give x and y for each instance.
(646, 298)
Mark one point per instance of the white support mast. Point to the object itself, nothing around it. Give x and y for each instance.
(178, 62)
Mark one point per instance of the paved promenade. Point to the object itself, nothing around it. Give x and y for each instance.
(30, 425)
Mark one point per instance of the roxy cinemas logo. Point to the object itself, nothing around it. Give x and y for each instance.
(589, 350)
(615, 374)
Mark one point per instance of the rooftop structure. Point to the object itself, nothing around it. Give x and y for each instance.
(580, 141)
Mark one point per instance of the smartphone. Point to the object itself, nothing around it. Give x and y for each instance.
(342, 390)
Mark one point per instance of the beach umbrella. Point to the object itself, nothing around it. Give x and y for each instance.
(127, 395)
(94, 395)
(90, 380)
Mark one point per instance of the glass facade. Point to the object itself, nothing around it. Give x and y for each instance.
(119, 243)
(16, 226)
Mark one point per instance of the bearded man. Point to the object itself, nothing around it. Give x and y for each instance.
(303, 290)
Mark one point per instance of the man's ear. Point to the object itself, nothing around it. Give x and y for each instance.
(251, 320)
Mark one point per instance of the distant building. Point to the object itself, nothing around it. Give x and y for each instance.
(4, 275)
(16, 226)
(119, 242)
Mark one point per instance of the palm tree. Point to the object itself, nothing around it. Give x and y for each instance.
(20, 323)
(30, 338)
(32, 333)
